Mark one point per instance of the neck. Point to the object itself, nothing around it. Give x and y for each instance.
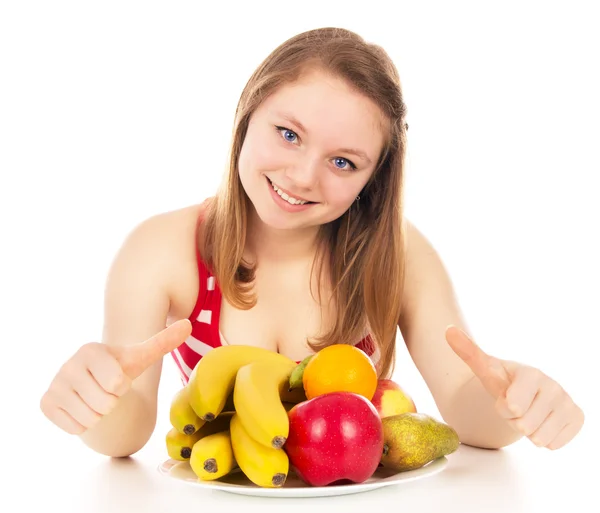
(266, 244)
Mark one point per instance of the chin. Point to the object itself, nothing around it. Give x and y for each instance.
(269, 217)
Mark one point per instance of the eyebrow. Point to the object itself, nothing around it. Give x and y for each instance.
(352, 151)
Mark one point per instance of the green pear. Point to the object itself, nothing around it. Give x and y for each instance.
(411, 440)
(298, 373)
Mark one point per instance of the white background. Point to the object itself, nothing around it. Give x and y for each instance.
(113, 111)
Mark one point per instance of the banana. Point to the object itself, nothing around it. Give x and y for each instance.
(212, 380)
(264, 466)
(182, 416)
(212, 456)
(257, 400)
(180, 445)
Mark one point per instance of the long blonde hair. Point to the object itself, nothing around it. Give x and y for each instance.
(364, 248)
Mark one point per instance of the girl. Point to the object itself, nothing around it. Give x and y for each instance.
(304, 245)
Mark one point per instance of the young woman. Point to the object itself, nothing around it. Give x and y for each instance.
(304, 245)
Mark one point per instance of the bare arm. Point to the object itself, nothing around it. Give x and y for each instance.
(430, 305)
(136, 308)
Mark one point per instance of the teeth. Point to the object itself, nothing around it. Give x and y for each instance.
(289, 199)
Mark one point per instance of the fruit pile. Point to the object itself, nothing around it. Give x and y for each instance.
(328, 418)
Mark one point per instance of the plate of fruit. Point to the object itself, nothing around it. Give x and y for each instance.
(253, 422)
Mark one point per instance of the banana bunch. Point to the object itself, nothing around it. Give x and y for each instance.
(208, 449)
(233, 414)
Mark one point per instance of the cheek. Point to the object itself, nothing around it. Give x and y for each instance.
(341, 192)
(259, 155)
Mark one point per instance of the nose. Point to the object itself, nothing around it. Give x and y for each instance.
(304, 174)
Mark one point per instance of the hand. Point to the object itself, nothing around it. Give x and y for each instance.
(89, 385)
(530, 401)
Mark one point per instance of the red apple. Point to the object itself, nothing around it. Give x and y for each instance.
(335, 437)
(391, 399)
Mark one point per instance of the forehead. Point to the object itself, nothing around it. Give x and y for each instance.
(330, 110)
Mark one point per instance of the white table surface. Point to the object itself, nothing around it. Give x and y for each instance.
(518, 478)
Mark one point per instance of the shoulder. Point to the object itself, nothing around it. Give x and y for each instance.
(156, 240)
(162, 248)
(424, 269)
(416, 241)
(169, 226)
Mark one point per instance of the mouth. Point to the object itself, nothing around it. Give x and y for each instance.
(292, 200)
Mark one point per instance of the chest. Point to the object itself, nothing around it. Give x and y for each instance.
(285, 316)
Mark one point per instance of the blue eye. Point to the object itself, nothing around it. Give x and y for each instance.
(341, 162)
(289, 135)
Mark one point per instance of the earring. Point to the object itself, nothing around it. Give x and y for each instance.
(357, 198)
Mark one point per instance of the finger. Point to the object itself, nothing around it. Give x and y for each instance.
(59, 417)
(75, 406)
(522, 392)
(64, 421)
(566, 434)
(548, 429)
(94, 395)
(487, 368)
(135, 359)
(532, 418)
(108, 374)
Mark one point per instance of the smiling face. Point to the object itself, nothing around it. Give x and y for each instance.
(315, 140)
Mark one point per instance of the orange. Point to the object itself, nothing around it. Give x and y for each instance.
(340, 368)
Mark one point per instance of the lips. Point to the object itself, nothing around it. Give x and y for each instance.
(290, 193)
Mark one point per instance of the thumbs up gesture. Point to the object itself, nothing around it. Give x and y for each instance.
(531, 402)
(89, 385)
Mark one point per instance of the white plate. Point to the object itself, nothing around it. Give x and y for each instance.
(237, 482)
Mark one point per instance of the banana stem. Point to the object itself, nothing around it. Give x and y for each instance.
(278, 442)
(210, 465)
(189, 429)
(279, 479)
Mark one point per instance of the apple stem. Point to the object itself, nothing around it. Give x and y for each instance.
(386, 449)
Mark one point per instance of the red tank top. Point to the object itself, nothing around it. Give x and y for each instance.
(205, 325)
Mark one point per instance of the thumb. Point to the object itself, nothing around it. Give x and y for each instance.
(488, 369)
(135, 359)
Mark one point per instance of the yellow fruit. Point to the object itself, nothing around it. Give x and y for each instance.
(182, 416)
(179, 445)
(264, 466)
(212, 456)
(257, 400)
(212, 380)
(411, 440)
